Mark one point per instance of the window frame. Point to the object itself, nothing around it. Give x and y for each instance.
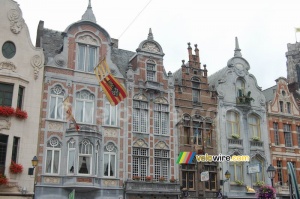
(89, 155)
(137, 118)
(158, 112)
(109, 154)
(73, 142)
(233, 176)
(254, 127)
(139, 157)
(188, 169)
(287, 134)
(279, 172)
(152, 71)
(53, 149)
(198, 136)
(159, 160)
(21, 92)
(57, 93)
(3, 93)
(111, 109)
(276, 134)
(86, 57)
(212, 169)
(233, 123)
(84, 111)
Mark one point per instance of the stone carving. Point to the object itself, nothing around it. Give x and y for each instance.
(55, 126)
(59, 60)
(5, 123)
(140, 97)
(140, 143)
(161, 100)
(110, 182)
(51, 180)
(8, 65)
(161, 145)
(16, 21)
(151, 47)
(110, 132)
(36, 62)
(110, 147)
(87, 39)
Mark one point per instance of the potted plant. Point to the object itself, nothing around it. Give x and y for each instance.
(255, 138)
(3, 180)
(21, 114)
(266, 192)
(259, 183)
(6, 111)
(15, 168)
(235, 136)
(172, 180)
(137, 178)
(162, 179)
(239, 182)
(148, 178)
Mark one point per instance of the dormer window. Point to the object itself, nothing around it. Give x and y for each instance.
(240, 86)
(151, 72)
(87, 50)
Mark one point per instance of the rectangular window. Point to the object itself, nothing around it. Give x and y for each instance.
(211, 184)
(198, 130)
(140, 116)
(84, 111)
(281, 106)
(236, 170)
(109, 165)
(110, 114)
(140, 162)
(71, 156)
(161, 119)
(6, 94)
(288, 135)
(279, 171)
(208, 127)
(3, 150)
(20, 97)
(188, 176)
(150, 72)
(52, 161)
(288, 106)
(161, 162)
(276, 133)
(196, 94)
(186, 135)
(86, 57)
(56, 107)
(15, 149)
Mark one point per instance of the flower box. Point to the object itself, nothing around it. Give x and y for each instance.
(239, 182)
(172, 180)
(15, 168)
(235, 136)
(21, 114)
(148, 178)
(6, 111)
(266, 192)
(259, 183)
(3, 180)
(137, 178)
(255, 138)
(162, 179)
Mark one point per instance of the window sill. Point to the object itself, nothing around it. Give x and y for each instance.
(108, 126)
(165, 135)
(55, 120)
(139, 132)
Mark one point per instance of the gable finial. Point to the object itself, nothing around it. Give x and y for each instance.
(90, 5)
(150, 35)
(237, 50)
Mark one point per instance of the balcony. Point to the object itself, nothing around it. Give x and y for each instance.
(235, 143)
(150, 85)
(256, 144)
(141, 187)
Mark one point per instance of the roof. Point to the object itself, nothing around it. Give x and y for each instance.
(121, 58)
(178, 77)
(269, 93)
(213, 79)
(52, 43)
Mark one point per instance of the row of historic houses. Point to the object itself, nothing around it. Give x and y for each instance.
(130, 150)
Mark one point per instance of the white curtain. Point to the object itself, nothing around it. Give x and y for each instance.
(56, 162)
(113, 115)
(112, 164)
(71, 164)
(79, 111)
(88, 164)
(80, 163)
(80, 57)
(52, 107)
(88, 112)
(106, 159)
(59, 108)
(92, 58)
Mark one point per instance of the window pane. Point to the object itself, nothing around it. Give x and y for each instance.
(88, 112)
(49, 161)
(92, 59)
(79, 111)
(71, 162)
(113, 115)
(59, 108)
(52, 107)
(135, 120)
(83, 165)
(20, 97)
(6, 91)
(112, 164)
(106, 165)
(56, 162)
(81, 57)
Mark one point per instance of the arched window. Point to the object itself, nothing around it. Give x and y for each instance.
(254, 126)
(84, 107)
(110, 160)
(85, 157)
(56, 103)
(233, 123)
(53, 156)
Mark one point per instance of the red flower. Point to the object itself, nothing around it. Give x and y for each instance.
(6, 111)
(21, 114)
(15, 168)
(3, 179)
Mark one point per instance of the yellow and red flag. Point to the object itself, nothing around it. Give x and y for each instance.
(112, 88)
(69, 114)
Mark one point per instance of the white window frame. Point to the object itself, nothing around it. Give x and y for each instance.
(85, 142)
(233, 176)
(161, 157)
(110, 111)
(232, 120)
(159, 111)
(88, 98)
(254, 125)
(71, 147)
(288, 139)
(57, 94)
(55, 146)
(151, 72)
(109, 154)
(86, 57)
(142, 159)
(97, 153)
(140, 116)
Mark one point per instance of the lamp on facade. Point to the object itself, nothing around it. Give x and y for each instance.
(271, 173)
(227, 175)
(34, 163)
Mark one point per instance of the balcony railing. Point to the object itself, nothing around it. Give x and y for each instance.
(152, 187)
(150, 85)
(235, 142)
(256, 144)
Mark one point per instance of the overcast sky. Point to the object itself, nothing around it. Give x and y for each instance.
(263, 27)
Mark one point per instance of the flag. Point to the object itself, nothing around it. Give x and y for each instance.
(297, 29)
(72, 194)
(69, 114)
(112, 88)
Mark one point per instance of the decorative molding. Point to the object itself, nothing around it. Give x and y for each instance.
(140, 97)
(55, 126)
(110, 182)
(52, 180)
(108, 132)
(87, 39)
(140, 143)
(160, 100)
(16, 21)
(161, 145)
(60, 60)
(36, 62)
(5, 123)
(8, 65)
(151, 47)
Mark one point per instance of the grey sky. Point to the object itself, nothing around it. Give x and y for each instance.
(264, 27)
